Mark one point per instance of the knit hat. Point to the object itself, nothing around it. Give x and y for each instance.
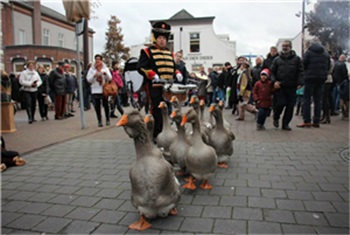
(266, 72)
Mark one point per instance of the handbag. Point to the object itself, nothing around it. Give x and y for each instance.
(47, 100)
(110, 89)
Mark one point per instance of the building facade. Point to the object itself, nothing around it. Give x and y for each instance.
(196, 38)
(31, 31)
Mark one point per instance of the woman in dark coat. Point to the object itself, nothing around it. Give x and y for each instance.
(43, 91)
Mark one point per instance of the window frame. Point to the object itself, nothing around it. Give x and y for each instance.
(46, 36)
(24, 39)
(194, 42)
(60, 39)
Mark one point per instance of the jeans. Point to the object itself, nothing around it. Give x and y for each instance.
(219, 93)
(117, 103)
(336, 98)
(315, 91)
(262, 115)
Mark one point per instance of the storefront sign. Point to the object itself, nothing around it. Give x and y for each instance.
(202, 57)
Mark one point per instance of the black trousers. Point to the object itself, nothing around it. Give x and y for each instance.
(98, 100)
(42, 106)
(327, 100)
(285, 100)
(30, 101)
(155, 95)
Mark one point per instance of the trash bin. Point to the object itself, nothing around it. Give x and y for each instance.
(7, 117)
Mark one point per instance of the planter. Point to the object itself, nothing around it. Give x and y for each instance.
(7, 117)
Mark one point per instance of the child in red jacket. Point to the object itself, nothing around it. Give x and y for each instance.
(262, 93)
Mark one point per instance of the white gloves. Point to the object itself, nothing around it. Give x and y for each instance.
(155, 78)
(179, 77)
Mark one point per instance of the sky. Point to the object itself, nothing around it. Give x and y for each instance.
(255, 25)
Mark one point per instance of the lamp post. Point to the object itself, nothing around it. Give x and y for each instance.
(302, 28)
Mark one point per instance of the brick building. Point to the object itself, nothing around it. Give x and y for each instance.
(31, 31)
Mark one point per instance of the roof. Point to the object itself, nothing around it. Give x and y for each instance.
(47, 12)
(184, 17)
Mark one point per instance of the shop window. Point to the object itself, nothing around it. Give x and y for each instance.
(194, 42)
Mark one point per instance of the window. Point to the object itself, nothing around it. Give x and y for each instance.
(194, 42)
(171, 42)
(18, 67)
(22, 37)
(61, 39)
(46, 37)
(196, 67)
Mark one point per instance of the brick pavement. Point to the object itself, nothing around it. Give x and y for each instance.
(277, 182)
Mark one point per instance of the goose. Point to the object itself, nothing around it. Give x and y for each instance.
(205, 125)
(168, 135)
(179, 148)
(175, 102)
(221, 138)
(221, 105)
(149, 120)
(194, 101)
(155, 190)
(201, 159)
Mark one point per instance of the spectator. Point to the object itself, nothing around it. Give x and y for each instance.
(316, 65)
(180, 65)
(340, 73)
(262, 94)
(71, 87)
(286, 75)
(344, 98)
(219, 93)
(270, 57)
(30, 81)
(234, 74)
(327, 96)
(57, 82)
(299, 102)
(118, 80)
(43, 91)
(99, 74)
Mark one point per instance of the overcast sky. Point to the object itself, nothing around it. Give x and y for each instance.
(254, 25)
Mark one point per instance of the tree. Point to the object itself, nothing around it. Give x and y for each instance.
(114, 48)
(330, 22)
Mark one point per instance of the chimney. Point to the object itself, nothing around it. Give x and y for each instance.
(36, 22)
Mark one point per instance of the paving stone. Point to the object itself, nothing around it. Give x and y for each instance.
(332, 187)
(52, 225)
(280, 216)
(7, 217)
(206, 200)
(307, 187)
(319, 206)
(47, 188)
(82, 213)
(63, 199)
(108, 216)
(297, 229)
(87, 191)
(42, 197)
(197, 225)
(261, 202)
(168, 223)
(58, 210)
(127, 206)
(217, 212)
(7, 193)
(338, 219)
(233, 201)
(218, 190)
(247, 213)
(255, 227)
(67, 189)
(223, 226)
(270, 177)
(307, 218)
(282, 185)
(35, 208)
(327, 196)
(258, 184)
(108, 193)
(189, 210)
(290, 204)
(24, 195)
(342, 207)
(31, 186)
(235, 182)
(85, 201)
(299, 195)
(247, 191)
(273, 193)
(26, 222)
(107, 203)
(330, 230)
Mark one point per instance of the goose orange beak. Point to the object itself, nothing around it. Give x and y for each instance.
(201, 103)
(211, 109)
(146, 119)
(161, 105)
(192, 100)
(173, 114)
(221, 103)
(184, 120)
(172, 99)
(123, 121)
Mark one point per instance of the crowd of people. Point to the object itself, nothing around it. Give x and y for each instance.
(273, 87)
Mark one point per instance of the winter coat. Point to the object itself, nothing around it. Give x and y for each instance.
(27, 78)
(71, 83)
(344, 90)
(288, 70)
(244, 84)
(340, 72)
(316, 64)
(255, 73)
(182, 68)
(268, 61)
(96, 87)
(330, 71)
(117, 79)
(221, 79)
(262, 93)
(57, 82)
(44, 89)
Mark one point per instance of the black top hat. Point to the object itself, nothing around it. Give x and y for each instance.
(161, 28)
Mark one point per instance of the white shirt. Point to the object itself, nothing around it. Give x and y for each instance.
(27, 78)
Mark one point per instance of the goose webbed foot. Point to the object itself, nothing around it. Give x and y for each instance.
(173, 211)
(222, 165)
(206, 185)
(190, 185)
(141, 224)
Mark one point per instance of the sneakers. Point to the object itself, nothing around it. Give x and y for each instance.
(275, 123)
(304, 124)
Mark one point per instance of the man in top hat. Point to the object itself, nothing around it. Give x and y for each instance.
(157, 62)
